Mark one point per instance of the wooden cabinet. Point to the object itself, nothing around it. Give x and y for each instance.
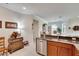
(15, 45)
(52, 50)
(64, 51)
(60, 49)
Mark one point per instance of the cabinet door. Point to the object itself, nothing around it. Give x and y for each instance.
(52, 50)
(64, 51)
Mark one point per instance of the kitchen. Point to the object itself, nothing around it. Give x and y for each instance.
(59, 38)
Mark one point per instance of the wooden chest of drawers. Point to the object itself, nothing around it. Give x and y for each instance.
(15, 45)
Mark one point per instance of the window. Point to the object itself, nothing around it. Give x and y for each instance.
(54, 29)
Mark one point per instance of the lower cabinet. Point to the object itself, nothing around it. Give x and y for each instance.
(64, 51)
(52, 50)
(60, 49)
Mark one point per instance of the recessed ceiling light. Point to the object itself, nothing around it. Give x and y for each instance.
(78, 16)
(24, 8)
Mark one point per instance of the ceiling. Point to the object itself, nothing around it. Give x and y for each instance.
(47, 11)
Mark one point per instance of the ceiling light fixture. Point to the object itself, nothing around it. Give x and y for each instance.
(24, 8)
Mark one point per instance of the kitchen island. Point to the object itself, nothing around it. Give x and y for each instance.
(54, 45)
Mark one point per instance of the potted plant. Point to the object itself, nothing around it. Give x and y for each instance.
(59, 30)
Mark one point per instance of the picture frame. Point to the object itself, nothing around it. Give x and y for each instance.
(0, 24)
(76, 28)
(11, 25)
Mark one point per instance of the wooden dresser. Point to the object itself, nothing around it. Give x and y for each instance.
(15, 44)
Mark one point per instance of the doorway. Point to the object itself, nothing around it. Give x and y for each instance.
(35, 29)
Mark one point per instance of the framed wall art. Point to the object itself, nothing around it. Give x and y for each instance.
(76, 28)
(11, 25)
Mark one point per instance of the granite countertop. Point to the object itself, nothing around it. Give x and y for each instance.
(75, 43)
(75, 36)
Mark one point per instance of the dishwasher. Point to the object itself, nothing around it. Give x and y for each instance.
(41, 46)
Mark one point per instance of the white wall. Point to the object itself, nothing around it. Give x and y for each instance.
(41, 22)
(7, 15)
(23, 20)
(26, 21)
(70, 23)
